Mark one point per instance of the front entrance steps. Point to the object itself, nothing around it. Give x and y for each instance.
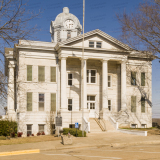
(101, 125)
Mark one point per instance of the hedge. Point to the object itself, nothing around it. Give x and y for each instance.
(8, 128)
(72, 131)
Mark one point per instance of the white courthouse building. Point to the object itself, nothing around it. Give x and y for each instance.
(111, 81)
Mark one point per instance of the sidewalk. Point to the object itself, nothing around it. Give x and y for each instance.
(93, 140)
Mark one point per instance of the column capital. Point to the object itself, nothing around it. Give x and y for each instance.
(63, 58)
(85, 58)
(105, 60)
(12, 64)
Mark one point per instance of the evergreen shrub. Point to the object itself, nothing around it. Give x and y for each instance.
(72, 131)
(8, 128)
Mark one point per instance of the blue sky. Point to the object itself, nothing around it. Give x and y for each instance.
(99, 14)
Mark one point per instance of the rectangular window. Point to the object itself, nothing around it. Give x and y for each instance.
(142, 104)
(29, 129)
(91, 76)
(53, 102)
(41, 128)
(70, 104)
(133, 78)
(109, 81)
(70, 78)
(99, 44)
(41, 73)
(41, 102)
(109, 105)
(53, 74)
(68, 34)
(91, 44)
(133, 103)
(91, 102)
(29, 73)
(142, 79)
(29, 101)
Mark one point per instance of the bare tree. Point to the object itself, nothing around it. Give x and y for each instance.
(141, 29)
(14, 25)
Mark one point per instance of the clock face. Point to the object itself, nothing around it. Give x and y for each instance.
(69, 24)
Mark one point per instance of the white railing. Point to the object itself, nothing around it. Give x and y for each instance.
(114, 123)
(86, 125)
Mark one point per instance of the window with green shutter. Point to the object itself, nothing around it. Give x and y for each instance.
(41, 73)
(53, 102)
(29, 73)
(133, 78)
(142, 79)
(53, 74)
(29, 101)
(133, 103)
(142, 104)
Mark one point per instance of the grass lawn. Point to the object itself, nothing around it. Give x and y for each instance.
(34, 139)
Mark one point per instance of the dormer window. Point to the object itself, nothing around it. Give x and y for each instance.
(95, 44)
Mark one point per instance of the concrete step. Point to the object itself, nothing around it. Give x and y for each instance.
(94, 127)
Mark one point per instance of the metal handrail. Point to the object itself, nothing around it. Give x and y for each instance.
(100, 120)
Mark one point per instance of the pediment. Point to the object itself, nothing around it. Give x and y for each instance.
(108, 42)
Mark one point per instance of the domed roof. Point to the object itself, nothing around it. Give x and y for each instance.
(65, 15)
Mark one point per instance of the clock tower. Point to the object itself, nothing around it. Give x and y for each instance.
(65, 26)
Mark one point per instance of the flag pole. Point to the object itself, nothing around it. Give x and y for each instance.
(83, 72)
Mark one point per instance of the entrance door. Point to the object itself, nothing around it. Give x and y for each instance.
(91, 105)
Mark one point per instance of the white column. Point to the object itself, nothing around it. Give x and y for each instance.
(104, 84)
(10, 96)
(83, 84)
(63, 84)
(123, 85)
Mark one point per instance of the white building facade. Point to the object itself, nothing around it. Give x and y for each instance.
(46, 77)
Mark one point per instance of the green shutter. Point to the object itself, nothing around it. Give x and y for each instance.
(29, 101)
(142, 104)
(133, 103)
(142, 79)
(41, 73)
(133, 78)
(53, 102)
(53, 74)
(29, 73)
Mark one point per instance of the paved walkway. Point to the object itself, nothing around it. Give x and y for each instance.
(93, 140)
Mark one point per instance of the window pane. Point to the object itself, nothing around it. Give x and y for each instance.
(69, 76)
(91, 44)
(53, 74)
(70, 82)
(92, 98)
(41, 106)
(68, 34)
(142, 104)
(133, 103)
(41, 73)
(41, 128)
(70, 107)
(29, 101)
(88, 97)
(29, 127)
(69, 101)
(109, 102)
(41, 97)
(93, 80)
(133, 78)
(29, 73)
(93, 73)
(99, 45)
(87, 72)
(53, 102)
(87, 105)
(109, 78)
(91, 105)
(109, 84)
(142, 79)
